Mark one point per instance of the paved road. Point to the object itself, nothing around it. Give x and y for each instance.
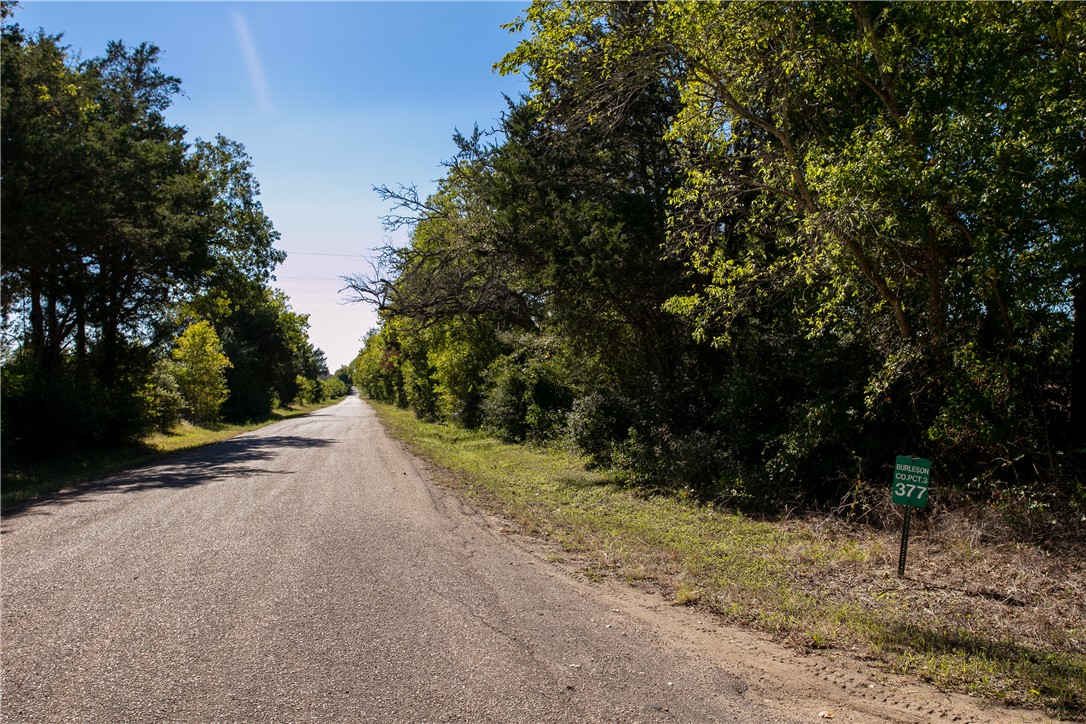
(309, 572)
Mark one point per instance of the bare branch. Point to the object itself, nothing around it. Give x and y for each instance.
(406, 198)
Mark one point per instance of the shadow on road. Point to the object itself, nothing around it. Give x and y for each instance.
(239, 457)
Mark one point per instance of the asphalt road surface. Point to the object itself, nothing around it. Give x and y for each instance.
(309, 571)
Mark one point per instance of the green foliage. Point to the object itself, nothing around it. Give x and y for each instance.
(268, 346)
(307, 390)
(165, 403)
(242, 245)
(767, 246)
(596, 423)
(333, 387)
(114, 229)
(116, 232)
(200, 371)
(528, 397)
(879, 194)
(71, 407)
(376, 371)
(878, 238)
(457, 353)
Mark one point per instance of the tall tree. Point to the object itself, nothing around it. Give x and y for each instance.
(904, 174)
(243, 237)
(234, 294)
(103, 214)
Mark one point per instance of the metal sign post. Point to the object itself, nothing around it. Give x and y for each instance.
(904, 544)
(910, 488)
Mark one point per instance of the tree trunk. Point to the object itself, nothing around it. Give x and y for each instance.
(1078, 374)
(37, 320)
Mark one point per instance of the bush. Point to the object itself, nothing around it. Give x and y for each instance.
(307, 390)
(504, 406)
(72, 407)
(200, 371)
(333, 387)
(595, 423)
(165, 404)
(525, 400)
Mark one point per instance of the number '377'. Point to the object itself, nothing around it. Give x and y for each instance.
(904, 490)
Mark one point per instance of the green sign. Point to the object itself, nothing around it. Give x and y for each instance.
(910, 486)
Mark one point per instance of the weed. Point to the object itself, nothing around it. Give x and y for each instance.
(685, 595)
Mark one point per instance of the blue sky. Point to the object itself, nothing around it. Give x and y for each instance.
(329, 99)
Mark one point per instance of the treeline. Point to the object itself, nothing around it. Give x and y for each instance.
(136, 265)
(757, 250)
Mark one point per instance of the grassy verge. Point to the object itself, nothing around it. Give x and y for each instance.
(23, 482)
(1006, 622)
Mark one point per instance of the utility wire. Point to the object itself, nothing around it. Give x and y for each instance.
(317, 253)
(307, 279)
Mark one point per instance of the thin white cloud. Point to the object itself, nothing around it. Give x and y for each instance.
(253, 64)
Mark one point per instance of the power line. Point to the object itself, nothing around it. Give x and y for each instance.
(318, 253)
(278, 278)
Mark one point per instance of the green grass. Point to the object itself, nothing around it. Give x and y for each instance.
(23, 482)
(809, 582)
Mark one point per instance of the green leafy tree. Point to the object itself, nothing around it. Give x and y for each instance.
(242, 245)
(200, 371)
(377, 370)
(333, 387)
(115, 233)
(103, 214)
(165, 403)
(344, 375)
(924, 197)
(890, 186)
(234, 294)
(307, 390)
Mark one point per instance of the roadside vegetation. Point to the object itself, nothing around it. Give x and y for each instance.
(735, 257)
(977, 611)
(755, 251)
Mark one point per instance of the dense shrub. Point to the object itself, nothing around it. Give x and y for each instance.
(307, 390)
(333, 387)
(528, 398)
(165, 403)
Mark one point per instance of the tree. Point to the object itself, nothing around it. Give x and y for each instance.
(102, 215)
(267, 343)
(242, 243)
(893, 143)
(451, 267)
(333, 387)
(200, 372)
(116, 234)
(165, 403)
(377, 370)
(898, 180)
(534, 274)
(234, 294)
